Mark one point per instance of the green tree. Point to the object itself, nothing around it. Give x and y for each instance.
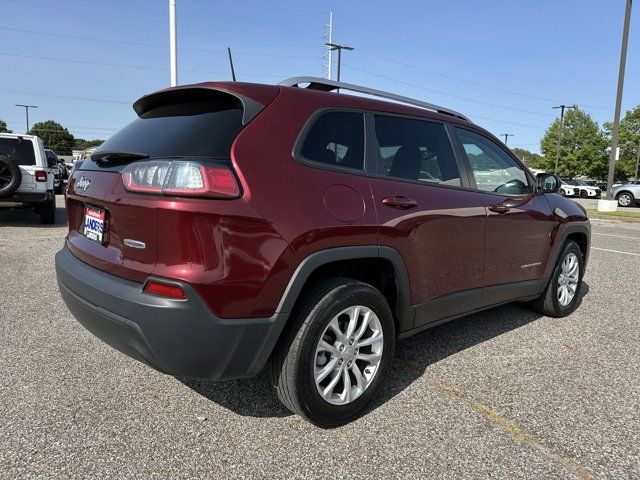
(583, 150)
(629, 142)
(531, 160)
(82, 144)
(3, 127)
(54, 136)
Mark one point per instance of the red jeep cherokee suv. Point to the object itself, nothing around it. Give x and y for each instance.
(233, 224)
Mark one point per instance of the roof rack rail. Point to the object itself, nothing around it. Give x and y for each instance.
(316, 83)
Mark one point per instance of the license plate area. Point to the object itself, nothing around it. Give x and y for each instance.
(93, 223)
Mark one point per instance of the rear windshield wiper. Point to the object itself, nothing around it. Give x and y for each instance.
(106, 157)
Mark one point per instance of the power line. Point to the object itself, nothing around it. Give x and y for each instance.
(158, 21)
(448, 94)
(151, 45)
(462, 80)
(457, 58)
(269, 7)
(66, 97)
(121, 65)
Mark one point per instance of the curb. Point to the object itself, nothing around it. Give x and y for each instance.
(614, 218)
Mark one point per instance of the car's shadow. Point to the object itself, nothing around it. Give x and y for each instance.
(255, 397)
(26, 217)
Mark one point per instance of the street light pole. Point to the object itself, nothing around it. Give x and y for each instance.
(339, 48)
(26, 111)
(173, 43)
(562, 109)
(616, 118)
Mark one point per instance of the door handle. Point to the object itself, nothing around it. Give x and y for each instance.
(500, 208)
(403, 203)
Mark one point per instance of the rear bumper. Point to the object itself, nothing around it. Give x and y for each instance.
(178, 337)
(21, 198)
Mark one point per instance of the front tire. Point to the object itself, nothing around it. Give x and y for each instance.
(337, 353)
(584, 194)
(625, 199)
(560, 298)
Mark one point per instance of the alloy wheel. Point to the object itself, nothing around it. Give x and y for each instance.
(568, 279)
(348, 355)
(624, 200)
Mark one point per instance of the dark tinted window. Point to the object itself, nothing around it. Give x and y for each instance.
(493, 169)
(18, 150)
(336, 138)
(416, 150)
(195, 129)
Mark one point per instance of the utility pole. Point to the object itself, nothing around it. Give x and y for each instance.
(26, 111)
(339, 48)
(328, 36)
(233, 72)
(562, 109)
(506, 137)
(173, 43)
(616, 118)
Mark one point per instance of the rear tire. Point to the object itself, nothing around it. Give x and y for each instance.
(48, 211)
(554, 302)
(301, 359)
(584, 194)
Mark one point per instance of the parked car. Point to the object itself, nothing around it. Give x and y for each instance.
(59, 170)
(308, 229)
(627, 194)
(26, 181)
(583, 189)
(568, 190)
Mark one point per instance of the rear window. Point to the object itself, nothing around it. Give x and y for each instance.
(194, 129)
(18, 150)
(416, 150)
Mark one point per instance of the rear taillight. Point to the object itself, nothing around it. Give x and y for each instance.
(41, 176)
(165, 290)
(181, 178)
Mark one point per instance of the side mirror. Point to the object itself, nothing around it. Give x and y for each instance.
(548, 182)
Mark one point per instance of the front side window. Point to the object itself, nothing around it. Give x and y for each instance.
(416, 150)
(336, 139)
(493, 169)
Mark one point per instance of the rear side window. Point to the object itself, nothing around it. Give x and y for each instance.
(18, 150)
(336, 139)
(192, 129)
(416, 150)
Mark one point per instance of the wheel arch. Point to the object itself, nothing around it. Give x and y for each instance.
(578, 233)
(356, 262)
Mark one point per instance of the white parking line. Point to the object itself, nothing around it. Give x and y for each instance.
(616, 251)
(617, 236)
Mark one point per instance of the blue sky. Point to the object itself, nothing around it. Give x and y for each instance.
(502, 63)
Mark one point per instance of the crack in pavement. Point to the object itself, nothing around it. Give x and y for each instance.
(499, 420)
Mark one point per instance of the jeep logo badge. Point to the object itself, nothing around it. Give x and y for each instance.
(83, 184)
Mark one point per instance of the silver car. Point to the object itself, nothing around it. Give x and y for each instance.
(627, 194)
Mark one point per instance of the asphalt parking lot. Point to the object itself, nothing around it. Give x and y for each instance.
(502, 394)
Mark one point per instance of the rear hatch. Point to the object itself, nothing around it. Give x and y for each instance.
(112, 226)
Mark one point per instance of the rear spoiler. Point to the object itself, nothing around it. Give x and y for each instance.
(188, 94)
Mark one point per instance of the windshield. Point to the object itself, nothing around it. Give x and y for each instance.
(582, 183)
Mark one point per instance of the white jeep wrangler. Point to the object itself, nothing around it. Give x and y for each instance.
(25, 177)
